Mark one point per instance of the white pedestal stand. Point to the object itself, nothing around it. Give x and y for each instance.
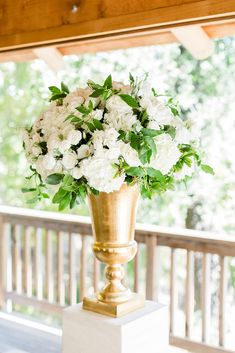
(143, 331)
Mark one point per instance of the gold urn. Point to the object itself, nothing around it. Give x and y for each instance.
(113, 222)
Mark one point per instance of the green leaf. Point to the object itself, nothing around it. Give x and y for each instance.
(98, 125)
(145, 154)
(96, 93)
(131, 79)
(151, 132)
(54, 90)
(171, 130)
(90, 126)
(58, 197)
(83, 110)
(73, 200)
(132, 102)
(108, 82)
(54, 179)
(207, 169)
(25, 190)
(65, 201)
(150, 141)
(156, 174)
(135, 171)
(64, 88)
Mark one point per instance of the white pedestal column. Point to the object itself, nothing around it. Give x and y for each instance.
(143, 331)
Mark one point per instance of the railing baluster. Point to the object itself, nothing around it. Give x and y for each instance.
(83, 264)
(189, 296)
(151, 243)
(27, 262)
(38, 263)
(3, 262)
(60, 284)
(222, 299)
(48, 267)
(136, 270)
(72, 277)
(206, 297)
(16, 260)
(173, 292)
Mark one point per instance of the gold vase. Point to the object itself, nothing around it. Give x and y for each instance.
(113, 223)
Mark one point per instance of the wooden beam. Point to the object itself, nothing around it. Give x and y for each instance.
(50, 22)
(106, 44)
(52, 57)
(195, 40)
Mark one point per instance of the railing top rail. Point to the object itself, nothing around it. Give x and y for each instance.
(173, 237)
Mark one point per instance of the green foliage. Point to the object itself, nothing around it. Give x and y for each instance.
(57, 94)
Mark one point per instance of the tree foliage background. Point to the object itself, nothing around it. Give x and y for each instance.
(205, 90)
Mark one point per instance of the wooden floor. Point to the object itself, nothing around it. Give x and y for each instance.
(18, 337)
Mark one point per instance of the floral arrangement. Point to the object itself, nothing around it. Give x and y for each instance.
(96, 138)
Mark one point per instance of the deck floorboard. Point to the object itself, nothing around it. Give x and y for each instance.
(17, 338)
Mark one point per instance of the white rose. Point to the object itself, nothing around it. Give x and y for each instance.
(153, 125)
(120, 121)
(69, 160)
(64, 145)
(182, 134)
(48, 162)
(74, 137)
(167, 154)
(83, 151)
(129, 154)
(76, 173)
(97, 114)
(100, 174)
(117, 104)
(73, 100)
(36, 151)
(156, 110)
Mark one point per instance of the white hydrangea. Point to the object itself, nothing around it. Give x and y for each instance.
(120, 121)
(100, 174)
(117, 104)
(156, 110)
(167, 154)
(69, 160)
(129, 154)
(83, 151)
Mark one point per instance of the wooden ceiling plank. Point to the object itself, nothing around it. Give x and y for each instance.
(100, 18)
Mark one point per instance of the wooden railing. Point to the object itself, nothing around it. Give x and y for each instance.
(46, 262)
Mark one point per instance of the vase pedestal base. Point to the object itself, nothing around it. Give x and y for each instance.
(144, 330)
(137, 301)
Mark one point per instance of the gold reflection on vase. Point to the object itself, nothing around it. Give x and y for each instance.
(113, 222)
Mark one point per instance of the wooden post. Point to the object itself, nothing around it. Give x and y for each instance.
(222, 300)
(173, 292)
(189, 297)
(206, 297)
(2, 263)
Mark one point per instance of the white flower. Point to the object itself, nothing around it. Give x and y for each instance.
(153, 125)
(74, 137)
(73, 100)
(129, 154)
(100, 174)
(120, 121)
(64, 145)
(69, 160)
(117, 104)
(76, 173)
(48, 162)
(36, 151)
(103, 138)
(182, 133)
(156, 110)
(167, 154)
(83, 151)
(97, 114)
